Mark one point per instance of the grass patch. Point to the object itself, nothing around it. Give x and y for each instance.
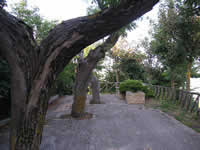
(173, 109)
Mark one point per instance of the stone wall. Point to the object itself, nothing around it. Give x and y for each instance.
(135, 98)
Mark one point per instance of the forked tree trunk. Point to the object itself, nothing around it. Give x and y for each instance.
(80, 88)
(34, 68)
(84, 74)
(188, 76)
(95, 87)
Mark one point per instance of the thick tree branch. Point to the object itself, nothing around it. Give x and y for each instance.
(70, 37)
(86, 30)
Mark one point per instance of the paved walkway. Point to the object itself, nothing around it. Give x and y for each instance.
(115, 126)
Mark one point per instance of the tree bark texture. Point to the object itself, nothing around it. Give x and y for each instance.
(84, 73)
(117, 81)
(34, 68)
(172, 80)
(188, 76)
(95, 90)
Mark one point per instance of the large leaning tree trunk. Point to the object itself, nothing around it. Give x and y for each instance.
(34, 68)
(84, 73)
(95, 87)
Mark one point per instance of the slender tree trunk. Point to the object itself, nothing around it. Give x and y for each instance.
(172, 84)
(183, 85)
(95, 90)
(117, 81)
(35, 68)
(172, 80)
(188, 76)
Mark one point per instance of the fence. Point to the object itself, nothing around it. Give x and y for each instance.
(109, 87)
(187, 100)
(190, 101)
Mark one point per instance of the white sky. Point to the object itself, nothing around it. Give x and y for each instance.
(67, 9)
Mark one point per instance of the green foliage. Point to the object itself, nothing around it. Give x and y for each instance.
(127, 62)
(148, 92)
(32, 17)
(130, 85)
(195, 71)
(110, 76)
(176, 40)
(164, 44)
(64, 82)
(131, 68)
(194, 6)
(134, 86)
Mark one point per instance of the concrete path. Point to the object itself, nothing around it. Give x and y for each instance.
(115, 126)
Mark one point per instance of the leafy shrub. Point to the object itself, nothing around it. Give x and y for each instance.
(65, 81)
(148, 92)
(134, 86)
(130, 85)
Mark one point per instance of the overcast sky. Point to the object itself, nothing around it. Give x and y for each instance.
(67, 9)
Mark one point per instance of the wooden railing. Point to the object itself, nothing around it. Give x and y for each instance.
(109, 87)
(190, 101)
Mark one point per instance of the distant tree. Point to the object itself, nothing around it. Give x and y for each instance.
(176, 39)
(65, 81)
(164, 43)
(127, 63)
(188, 37)
(31, 16)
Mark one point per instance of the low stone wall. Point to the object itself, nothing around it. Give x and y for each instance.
(135, 98)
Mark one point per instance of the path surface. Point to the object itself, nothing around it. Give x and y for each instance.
(115, 126)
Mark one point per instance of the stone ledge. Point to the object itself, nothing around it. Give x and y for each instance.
(135, 98)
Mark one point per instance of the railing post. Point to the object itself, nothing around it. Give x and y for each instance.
(179, 96)
(156, 91)
(195, 104)
(198, 109)
(117, 88)
(158, 94)
(161, 93)
(170, 94)
(166, 92)
(174, 95)
(189, 101)
(182, 96)
(185, 99)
